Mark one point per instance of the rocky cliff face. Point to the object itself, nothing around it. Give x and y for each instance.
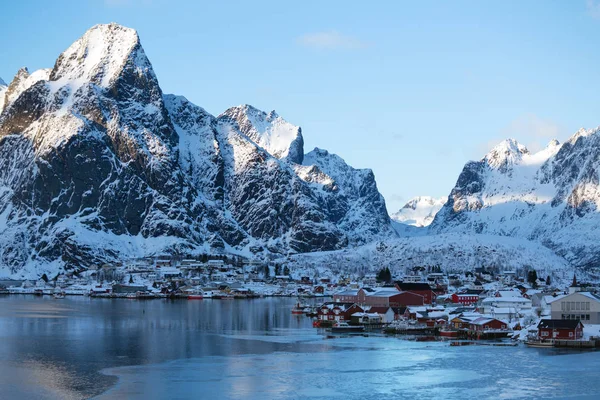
(97, 165)
(551, 196)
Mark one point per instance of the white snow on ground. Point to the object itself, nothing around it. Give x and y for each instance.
(453, 252)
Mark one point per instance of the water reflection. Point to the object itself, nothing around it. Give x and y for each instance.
(63, 343)
(53, 349)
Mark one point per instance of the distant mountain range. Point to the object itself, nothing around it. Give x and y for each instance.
(419, 211)
(98, 165)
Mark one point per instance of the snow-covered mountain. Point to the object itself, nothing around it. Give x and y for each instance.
(452, 252)
(419, 211)
(551, 197)
(3, 87)
(98, 165)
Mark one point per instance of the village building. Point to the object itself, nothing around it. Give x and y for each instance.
(366, 318)
(349, 295)
(560, 329)
(509, 314)
(516, 302)
(464, 298)
(392, 298)
(423, 289)
(412, 278)
(118, 288)
(483, 324)
(387, 314)
(337, 311)
(584, 306)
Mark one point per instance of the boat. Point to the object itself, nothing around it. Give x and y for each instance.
(343, 327)
(299, 308)
(59, 295)
(195, 295)
(540, 343)
(144, 295)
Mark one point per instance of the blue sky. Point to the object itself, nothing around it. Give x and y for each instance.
(412, 90)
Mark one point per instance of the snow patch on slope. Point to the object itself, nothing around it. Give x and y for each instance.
(271, 132)
(3, 87)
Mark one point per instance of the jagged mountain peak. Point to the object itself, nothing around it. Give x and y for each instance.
(22, 81)
(2, 83)
(268, 130)
(582, 132)
(506, 153)
(100, 55)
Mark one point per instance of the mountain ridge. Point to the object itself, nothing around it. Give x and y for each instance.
(99, 165)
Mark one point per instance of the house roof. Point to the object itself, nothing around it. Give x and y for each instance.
(592, 296)
(409, 286)
(485, 320)
(586, 294)
(514, 299)
(559, 323)
(384, 293)
(348, 292)
(379, 310)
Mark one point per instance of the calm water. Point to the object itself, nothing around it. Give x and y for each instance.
(114, 349)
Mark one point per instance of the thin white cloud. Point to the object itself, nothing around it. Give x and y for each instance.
(529, 129)
(593, 8)
(331, 40)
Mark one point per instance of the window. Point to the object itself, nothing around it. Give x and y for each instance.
(587, 306)
(570, 334)
(544, 333)
(578, 306)
(562, 306)
(568, 306)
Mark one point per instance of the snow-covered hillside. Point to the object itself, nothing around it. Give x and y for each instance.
(419, 211)
(97, 165)
(453, 252)
(551, 197)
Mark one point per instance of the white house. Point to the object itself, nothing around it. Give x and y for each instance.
(518, 303)
(584, 306)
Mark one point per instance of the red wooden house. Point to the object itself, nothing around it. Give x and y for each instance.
(487, 324)
(337, 311)
(569, 329)
(422, 289)
(466, 299)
